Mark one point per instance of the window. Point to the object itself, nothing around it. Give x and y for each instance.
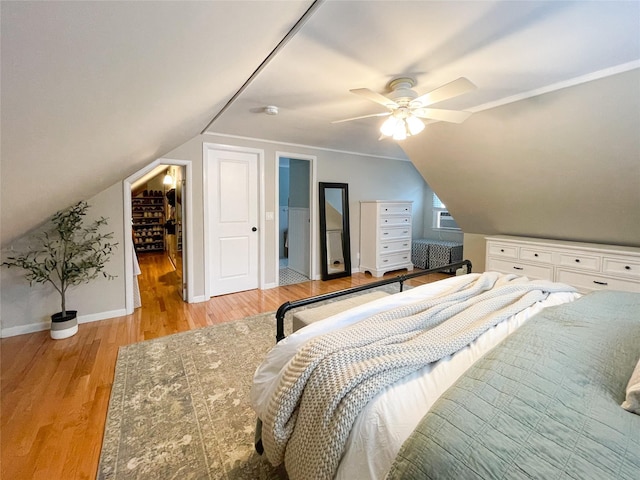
(437, 203)
(442, 219)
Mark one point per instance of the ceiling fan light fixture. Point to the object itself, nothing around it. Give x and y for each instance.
(401, 131)
(390, 125)
(406, 108)
(401, 128)
(414, 124)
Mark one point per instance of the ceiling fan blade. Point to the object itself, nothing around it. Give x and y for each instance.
(375, 97)
(445, 92)
(453, 116)
(384, 114)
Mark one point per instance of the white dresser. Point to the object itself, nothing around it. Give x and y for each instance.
(385, 236)
(586, 266)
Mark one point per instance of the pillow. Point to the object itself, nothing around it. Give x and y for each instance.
(632, 402)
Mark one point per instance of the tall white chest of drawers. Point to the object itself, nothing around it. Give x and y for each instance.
(586, 266)
(385, 236)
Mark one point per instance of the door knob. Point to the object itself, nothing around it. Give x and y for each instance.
(254, 229)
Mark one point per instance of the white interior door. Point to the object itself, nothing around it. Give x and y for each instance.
(233, 211)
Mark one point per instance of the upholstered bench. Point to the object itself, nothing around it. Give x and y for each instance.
(420, 252)
(428, 253)
(313, 314)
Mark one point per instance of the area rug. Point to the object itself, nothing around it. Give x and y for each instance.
(179, 406)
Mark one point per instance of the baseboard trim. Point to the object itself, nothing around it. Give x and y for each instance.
(199, 299)
(94, 317)
(23, 329)
(38, 327)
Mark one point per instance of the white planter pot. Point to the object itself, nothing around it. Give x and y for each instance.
(66, 328)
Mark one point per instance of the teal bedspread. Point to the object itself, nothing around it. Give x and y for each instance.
(544, 404)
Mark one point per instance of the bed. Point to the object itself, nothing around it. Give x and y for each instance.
(395, 409)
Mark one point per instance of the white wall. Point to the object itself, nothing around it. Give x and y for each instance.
(25, 309)
(369, 178)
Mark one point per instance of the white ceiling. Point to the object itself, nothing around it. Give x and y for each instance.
(506, 48)
(93, 91)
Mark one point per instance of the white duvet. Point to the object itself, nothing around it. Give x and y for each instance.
(388, 419)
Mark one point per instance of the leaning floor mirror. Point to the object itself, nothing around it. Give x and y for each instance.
(335, 242)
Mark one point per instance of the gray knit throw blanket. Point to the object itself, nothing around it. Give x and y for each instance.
(332, 377)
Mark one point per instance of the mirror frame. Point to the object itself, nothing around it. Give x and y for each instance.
(346, 238)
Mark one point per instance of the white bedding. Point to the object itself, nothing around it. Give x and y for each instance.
(392, 415)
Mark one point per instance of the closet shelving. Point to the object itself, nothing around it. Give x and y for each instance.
(148, 221)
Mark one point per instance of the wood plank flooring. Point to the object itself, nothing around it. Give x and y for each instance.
(55, 393)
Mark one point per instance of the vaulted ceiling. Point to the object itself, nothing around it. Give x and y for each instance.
(93, 91)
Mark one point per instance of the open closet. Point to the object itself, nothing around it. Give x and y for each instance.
(157, 213)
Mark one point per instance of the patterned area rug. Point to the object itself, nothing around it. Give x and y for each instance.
(179, 405)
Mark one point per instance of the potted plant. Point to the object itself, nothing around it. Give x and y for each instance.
(66, 253)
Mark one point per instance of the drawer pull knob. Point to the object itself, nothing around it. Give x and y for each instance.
(386, 233)
(600, 283)
(385, 261)
(627, 267)
(518, 268)
(502, 249)
(535, 254)
(386, 246)
(577, 260)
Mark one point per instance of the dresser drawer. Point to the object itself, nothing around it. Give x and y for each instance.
(537, 256)
(587, 282)
(580, 261)
(394, 209)
(391, 259)
(395, 246)
(506, 251)
(622, 267)
(395, 220)
(530, 271)
(401, 232)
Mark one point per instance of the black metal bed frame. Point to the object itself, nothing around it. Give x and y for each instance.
(285, 307)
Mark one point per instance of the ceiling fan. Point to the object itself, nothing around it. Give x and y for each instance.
(406, 107)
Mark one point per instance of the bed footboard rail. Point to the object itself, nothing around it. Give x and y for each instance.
(285, 307)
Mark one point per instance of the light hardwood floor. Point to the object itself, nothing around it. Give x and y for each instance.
(55, 393)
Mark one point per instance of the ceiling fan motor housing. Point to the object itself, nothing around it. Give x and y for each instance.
(401, 91)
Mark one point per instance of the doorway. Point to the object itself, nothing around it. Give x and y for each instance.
(157, 221)
(157, 212)
(295, 212)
